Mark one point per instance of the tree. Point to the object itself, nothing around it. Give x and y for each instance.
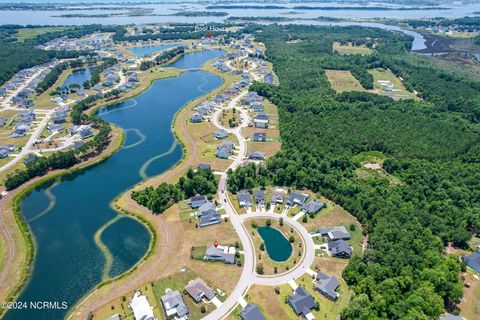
(268, 223)
(291, 239)
(262, 246)
(259, 269)
(280, 221)
(202, 309)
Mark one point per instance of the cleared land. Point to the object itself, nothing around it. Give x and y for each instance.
(398, 90)
(28, 33)
(371, 167)
(229, 118)
(343, 80)
(470, 305)
(351, 49)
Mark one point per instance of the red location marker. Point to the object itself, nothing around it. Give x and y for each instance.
(215, 244)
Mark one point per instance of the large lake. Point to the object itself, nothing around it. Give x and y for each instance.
(65, 215)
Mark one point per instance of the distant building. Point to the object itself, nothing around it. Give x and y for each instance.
(29, 158)
(449, 316)
(198, 289)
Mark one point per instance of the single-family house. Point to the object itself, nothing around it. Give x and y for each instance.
(59, 117)
(210, 217)
(278, 196)
(335, 233)
(261, 120)
(244, 199)
(204, 208)
(327, 285)
(54, 127)
(251, 312)
(4, 153)
(198, 289)
(196, 118)
(259, 196)
(84, 131)
(340, 249)
(256, 155)
(197, 201)
(202, 166)
(174, 305)
(220, 253)
(220, 134)
(312, 207)
(297, 198)
(222, 153)
(301, 301)
(29, 158)
(3, 122)
(259, 137)
(141, 308)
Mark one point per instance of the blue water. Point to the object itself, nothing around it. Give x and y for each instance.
(191, 61)
(277, 246)
(146, 50)
(78, 77)
(64, 216)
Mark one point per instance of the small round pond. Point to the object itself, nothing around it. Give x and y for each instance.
(277, 246)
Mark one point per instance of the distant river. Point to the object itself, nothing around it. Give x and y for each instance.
(65, 215)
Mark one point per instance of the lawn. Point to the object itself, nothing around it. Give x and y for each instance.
(229, 118)
(262, 256)
(386, 75)
(121, 307)
(272, 305)
(351, 49)
(334, 215)
(343, 80)
(470, 304)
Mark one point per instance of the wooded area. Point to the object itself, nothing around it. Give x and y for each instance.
(430, 145)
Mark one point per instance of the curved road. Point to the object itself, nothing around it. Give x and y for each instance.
(249, 276)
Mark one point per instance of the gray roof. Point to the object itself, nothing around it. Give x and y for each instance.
(340, 248)
(278, 196)
(301, 301)
(244, 199)
(327, 285)
(173, 299)
(251, 312)
(198, 289)
(259, 196)
(206, 207)
(312, 206)
(258, 155)
(197, 201)
(473, 261)
(259, 136)
(335, 233)
(210, 217)
(213, 253)
(297, 198)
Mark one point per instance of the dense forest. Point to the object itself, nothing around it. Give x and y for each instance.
(430, 145)
(159, 199)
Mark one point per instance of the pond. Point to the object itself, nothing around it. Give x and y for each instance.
(78, 77)
(277, 246)
(146, 50)
(70, 217)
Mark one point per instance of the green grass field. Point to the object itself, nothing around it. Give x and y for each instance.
(343, 80)
(28, 33)
(350, 49)
(386, 75)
